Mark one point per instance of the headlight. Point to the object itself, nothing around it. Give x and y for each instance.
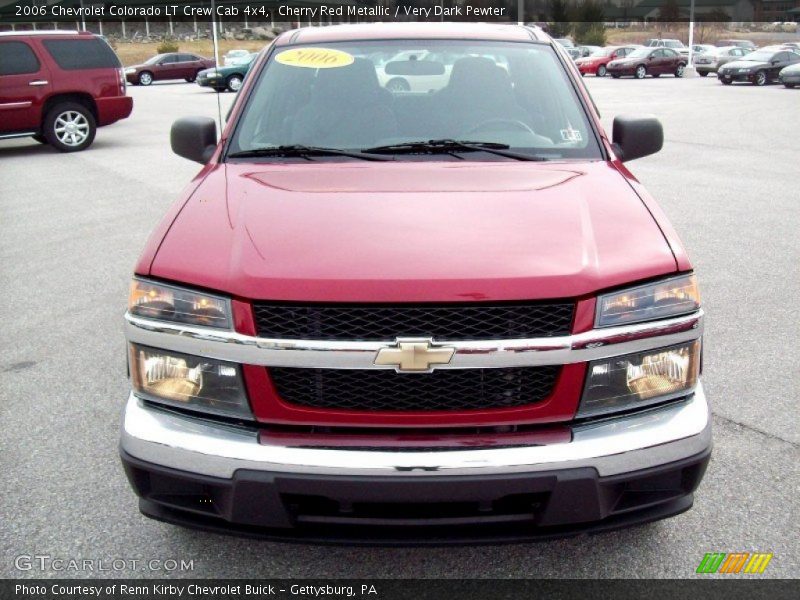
(191, 382)
(638, 380)
(130, 71)
(667, 298)
(167, 303)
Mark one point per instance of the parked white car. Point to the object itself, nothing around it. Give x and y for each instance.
(235, 57)
(415, 72)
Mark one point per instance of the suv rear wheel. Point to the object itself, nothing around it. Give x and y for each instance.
(69, 127)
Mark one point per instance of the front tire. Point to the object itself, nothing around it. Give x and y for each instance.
(726, 81)
(679, 71)
(234, 83)
(703, 73)
(145, 78)
(69, 127)
(641, 72)
(615, 76)
(601, 71)
(761, 79)
(788, 86)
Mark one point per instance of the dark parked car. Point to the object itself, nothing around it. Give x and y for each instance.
(759, 68)
(58, 87)
(709, 62)
(790, 76)
(173, 65)
(648, 61)
(226, 78)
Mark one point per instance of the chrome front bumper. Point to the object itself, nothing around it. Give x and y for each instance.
(612, 446)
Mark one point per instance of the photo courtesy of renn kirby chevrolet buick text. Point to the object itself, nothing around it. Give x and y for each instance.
(414, 294)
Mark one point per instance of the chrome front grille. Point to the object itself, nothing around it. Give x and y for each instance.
(387, 391)
(379, 322)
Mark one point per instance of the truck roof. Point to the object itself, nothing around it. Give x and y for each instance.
(387, 31)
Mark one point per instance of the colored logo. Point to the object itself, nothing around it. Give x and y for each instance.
(315, 58)
(733, 563)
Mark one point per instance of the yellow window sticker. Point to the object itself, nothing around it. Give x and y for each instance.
(315, 58)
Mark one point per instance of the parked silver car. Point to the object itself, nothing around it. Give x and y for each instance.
(790, 76)
(709, 62)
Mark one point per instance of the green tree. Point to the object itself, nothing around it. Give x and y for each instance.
(559, 24)
(588, 27)
(670, 12)
(167, 46)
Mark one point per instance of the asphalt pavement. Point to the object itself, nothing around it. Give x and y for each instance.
(72, 226)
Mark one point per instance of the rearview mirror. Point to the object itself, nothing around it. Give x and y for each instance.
(194, 138)
(414, 67)
(636, 136)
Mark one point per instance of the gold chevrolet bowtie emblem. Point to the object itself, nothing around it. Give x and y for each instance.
(414, 355)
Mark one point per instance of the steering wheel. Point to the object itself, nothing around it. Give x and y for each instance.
(487, 125)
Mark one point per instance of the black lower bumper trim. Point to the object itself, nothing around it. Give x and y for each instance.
(415, 510)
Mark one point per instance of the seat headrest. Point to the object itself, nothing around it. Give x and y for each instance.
(478, 75)
(356, 83)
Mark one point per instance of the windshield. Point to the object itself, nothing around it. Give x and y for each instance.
(759, 56)
(153, 60)
(640, 53)
(512, 94)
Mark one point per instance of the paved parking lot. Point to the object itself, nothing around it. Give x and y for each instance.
(72, 226)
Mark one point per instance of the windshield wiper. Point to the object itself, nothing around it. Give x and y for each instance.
(303, 151)
(449, 145)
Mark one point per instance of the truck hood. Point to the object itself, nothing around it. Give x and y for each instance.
(412, 231)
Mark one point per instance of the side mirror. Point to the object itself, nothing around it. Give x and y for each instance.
(194, 138)
(637, 136)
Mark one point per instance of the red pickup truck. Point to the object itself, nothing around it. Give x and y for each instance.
(59, 87)
(395, 315)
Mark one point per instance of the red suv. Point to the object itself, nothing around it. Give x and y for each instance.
(385, 313)
(59, 87)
